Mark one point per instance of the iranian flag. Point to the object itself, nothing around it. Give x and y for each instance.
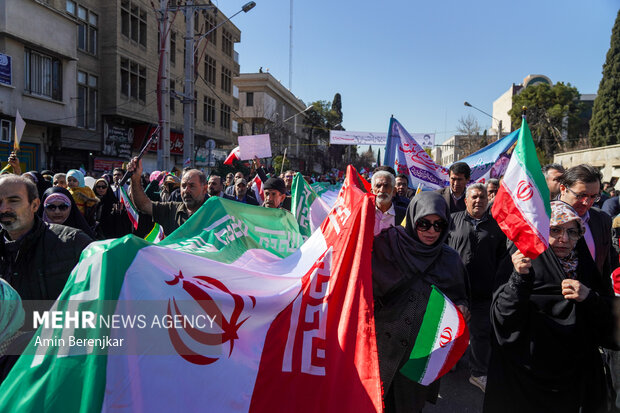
(129, 206)
(156, 235)
(521, 206)
(307, 206)
(292, 325)
(256, 184)
(234, 154)
(442, 340)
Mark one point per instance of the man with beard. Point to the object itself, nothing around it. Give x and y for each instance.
(275, 193)
(214, 186)
(36, 257)
(241, 193)
(387, 214)
(170, 215)
(231, 189)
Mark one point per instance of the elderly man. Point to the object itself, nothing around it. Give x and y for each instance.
(454, 194)
(36, 258)
(274, 190)
(387, 214)
(170, 215)
(214, 186)
(553, 173)
(481, 244)
(241, 193)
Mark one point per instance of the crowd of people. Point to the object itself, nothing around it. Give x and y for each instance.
(541, 331)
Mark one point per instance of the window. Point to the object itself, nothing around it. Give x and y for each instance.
(133, 80)
(209, 111)
(226, 80)
(225, 116)
(43, 75)
(249, 99)
(172, 93)
(173, 47)
(6, 128)
(210, 70)
(210, 25)
(87, 30)
(133, 22)
(87, 101)
(227, 43)
(70, 7)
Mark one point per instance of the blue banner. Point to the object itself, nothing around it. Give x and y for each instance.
(5, 69)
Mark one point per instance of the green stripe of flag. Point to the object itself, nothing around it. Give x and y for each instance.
(525, 151)
(416, 366)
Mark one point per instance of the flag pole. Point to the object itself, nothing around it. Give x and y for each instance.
(283, 159)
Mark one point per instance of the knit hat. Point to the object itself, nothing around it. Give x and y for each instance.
(275, 183)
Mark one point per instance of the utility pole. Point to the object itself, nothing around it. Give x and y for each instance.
(163, 151)
(188, 90)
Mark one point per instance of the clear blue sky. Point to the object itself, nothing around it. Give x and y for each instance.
(421, 60)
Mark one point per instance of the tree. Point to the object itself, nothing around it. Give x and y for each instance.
(323, 117)
(554, 115)
(605, 122)
(469, 127)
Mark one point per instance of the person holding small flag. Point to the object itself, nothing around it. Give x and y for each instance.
(549, 320)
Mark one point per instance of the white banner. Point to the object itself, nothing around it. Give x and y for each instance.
(426, 140)
(340, 137)
(254, 146)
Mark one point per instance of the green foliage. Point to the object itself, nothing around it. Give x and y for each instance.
(551, 110)
(605, 122)
(277, 164)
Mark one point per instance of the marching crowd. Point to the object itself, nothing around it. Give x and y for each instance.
(541, 331)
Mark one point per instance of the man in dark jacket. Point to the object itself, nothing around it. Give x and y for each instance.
(454, 194)
(36, 258)
(241, 193)
(481, 244)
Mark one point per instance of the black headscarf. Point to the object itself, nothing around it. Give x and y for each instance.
(75, 218)
(40, 182)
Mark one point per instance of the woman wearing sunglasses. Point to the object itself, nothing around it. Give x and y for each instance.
(405, 263)
(549, 320)
(58, 207)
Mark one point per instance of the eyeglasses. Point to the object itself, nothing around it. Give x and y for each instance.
(581, 197)
(101, 186)
(557, 232)
(53, 207)
(424, 225)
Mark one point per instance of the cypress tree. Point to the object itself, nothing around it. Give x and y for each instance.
(605, 122)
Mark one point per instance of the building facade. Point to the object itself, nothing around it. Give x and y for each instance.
(605, 158)
(267, 107)
(107, 56)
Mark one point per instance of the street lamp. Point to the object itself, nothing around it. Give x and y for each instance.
(246, 8)
(499, 122)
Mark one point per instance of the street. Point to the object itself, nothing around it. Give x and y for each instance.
(457, 394)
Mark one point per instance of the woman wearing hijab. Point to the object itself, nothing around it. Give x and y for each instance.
(549, 320)
(12, 318)
(38, 179)
(405, 263)
(112, 219)
(58, 207)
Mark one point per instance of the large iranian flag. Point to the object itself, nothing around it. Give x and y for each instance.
(293, 326)
(521, 206)
(307, 206)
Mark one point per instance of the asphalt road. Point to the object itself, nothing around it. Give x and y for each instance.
(457, 394)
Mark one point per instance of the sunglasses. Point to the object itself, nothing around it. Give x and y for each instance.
(52, 207)
(101, 186)
(424, 225)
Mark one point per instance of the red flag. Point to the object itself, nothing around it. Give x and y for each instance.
(257, 186)
(234, 154)
(324, 351)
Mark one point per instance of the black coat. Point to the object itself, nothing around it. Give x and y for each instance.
(546, 348)
(40, 267)
(453, 206)
(483, 251)
(606, 259)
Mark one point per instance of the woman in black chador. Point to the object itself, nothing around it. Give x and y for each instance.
(549, 320)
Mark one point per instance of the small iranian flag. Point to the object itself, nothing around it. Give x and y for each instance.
(521, 207)
(131, 209)
(307, 206)
(234, 154)
(156, 234)
(256, 185)
(441, 342)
